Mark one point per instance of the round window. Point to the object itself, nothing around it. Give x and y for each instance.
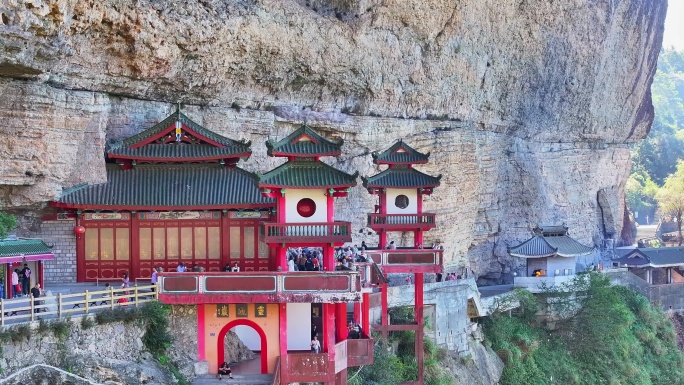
(306, 207)
(401, 201)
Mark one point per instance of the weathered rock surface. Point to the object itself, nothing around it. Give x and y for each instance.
(526, 106)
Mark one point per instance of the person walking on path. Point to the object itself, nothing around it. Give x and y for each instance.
(153, 279)
(35, 292)
(15, 283)
(26, 280)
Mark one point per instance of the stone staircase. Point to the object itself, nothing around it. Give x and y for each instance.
(241, 379)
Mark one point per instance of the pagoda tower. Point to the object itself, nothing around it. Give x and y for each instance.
(401, 189)
(304, 189)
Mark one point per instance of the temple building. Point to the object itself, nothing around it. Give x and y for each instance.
(175, 194)
(400, 190)
(15, 253)
(656, 266)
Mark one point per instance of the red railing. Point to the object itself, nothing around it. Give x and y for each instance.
(401, 221)
(407, 260)
(324, 232)
(319, 367)
(256, 287)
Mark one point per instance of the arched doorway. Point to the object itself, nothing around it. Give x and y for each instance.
(253, 325)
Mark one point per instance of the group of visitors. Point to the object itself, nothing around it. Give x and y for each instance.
(304, 259)
(21, 282)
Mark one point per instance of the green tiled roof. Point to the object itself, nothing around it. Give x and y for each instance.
(400, 153)
(169, 186)
(307, 174)
(401, 178)
(23, 247)
(290, 146)
(546, 246)
(181, 151)
(232, 147)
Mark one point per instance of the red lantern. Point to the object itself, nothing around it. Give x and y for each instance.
(79, 230)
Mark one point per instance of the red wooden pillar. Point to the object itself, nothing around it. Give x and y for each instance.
(385, 309)
(328, 335)
(341, 377)
(418, 235)
(283, 340)
(340, 322)
(328, 258)
(420, 354)
(282, 258)
(225, 239)
(8, 280)
(331, 206)
(80, 251)
(365, 314)
(135, 245)
(201, 335)
(382, 243)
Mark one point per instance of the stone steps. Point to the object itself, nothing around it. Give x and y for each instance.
(242, 379)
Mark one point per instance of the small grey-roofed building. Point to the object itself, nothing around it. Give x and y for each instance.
(550, 252)
(654, 265)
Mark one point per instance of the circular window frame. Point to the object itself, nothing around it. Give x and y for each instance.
(306, 207)
(401, 201)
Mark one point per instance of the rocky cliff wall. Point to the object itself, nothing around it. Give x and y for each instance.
(526, 106)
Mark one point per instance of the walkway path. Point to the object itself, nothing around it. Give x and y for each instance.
(242, 379)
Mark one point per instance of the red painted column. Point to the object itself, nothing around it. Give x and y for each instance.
(382, 243)
(8, 280)
(135, 245)
(80, 252)
(283, 338)
(341, 322)
(331, 207)
(365, 314)
(328, 258)
(201, 335)
(328, 335)
(225, 240)
(420, 354)
(385, 309)
(282, 258)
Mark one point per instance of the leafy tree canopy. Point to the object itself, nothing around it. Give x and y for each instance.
(8, 222)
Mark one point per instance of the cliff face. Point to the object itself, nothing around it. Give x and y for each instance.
(527, 106)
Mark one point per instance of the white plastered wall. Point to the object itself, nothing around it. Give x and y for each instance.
(299, 326)
(292, 196)
(412, 195)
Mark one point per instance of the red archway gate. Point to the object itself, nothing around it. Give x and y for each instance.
(215, 320)
(244, 322)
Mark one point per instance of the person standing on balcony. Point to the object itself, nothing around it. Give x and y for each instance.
(125, 282)
(316, 263)
(235, 268)
(301, 262)
(181, 268)
(392, 246)
(315, 345)
(290, 264)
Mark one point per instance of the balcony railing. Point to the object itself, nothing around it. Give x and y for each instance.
(401, 221)
(321, 367)
(407, 260)
(321, 232)
(261, 287)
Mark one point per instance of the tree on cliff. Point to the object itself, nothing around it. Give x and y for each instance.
(8, 222)
(671, 197)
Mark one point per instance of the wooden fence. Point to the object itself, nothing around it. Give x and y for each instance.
(63, 305)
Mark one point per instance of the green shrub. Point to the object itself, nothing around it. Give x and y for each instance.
(61, 328)
(87, 322)
(20, 333)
